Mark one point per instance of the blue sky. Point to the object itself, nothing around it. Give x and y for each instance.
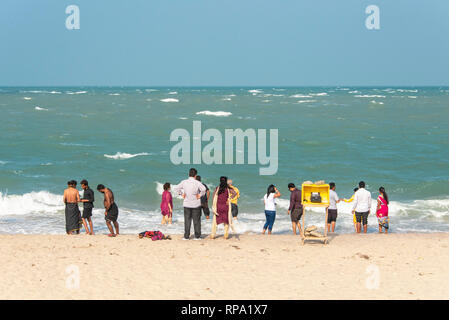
(224, 43)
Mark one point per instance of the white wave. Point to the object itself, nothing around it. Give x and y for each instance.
(354, 91)
(412, 97)
(40, 109)
(266, 100)
(114, 94)
(301, 96)
(182, 118)
(3, 162)
(124, 156)
(29, 203)
(173, 92)
(369, 96)
(319, 94)
(406, 90)
(305, 101)
(215, 113)
(160, 189)
(26, 98)
(376, 102)
(77, 92)
(255, 91)
(226, 99)
(169, 100)
(151, 90)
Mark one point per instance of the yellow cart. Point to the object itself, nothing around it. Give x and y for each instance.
(306, 193)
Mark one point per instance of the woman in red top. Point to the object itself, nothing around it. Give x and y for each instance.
(167, 205)
(382, 210)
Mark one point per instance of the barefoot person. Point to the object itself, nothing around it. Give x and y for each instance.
(362, 207)
(205, 200)
(269, 200)
(167, 205)
(111, 213)
(295, 209)
(234, 200)
(192, 190)
(221, 207)
(332, 209)
(382, 210)
(88, 205)
(72, 212)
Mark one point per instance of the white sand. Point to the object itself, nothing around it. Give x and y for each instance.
(409, 266)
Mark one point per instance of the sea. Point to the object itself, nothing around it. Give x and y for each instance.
(395, 137)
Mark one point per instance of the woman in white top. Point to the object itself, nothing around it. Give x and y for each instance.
(270, 207)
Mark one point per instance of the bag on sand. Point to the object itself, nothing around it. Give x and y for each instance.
(154, 235)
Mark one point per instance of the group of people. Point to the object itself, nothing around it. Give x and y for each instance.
(361, 208)
(196, 196)
(73, 217)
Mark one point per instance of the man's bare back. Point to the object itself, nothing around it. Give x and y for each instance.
(108, 198)
(71, 195)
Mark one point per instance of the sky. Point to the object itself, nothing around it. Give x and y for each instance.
(224, 43)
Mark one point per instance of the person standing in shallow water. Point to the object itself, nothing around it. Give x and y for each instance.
(111, 212)
(192, 190)
(382, 210)
(234, 200)
(221, 207)
(295, 209)
(88, 205)
(72, 212)
(205, 199)
(269, 200)
(167, 205)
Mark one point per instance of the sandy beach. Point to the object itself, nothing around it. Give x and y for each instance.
(394, 266)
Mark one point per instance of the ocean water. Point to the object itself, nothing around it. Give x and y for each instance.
(392, 137)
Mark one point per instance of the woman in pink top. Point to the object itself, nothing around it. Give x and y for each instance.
(382, 210)
(167, 205)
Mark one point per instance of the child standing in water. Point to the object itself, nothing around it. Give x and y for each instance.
(167, 205)
(382, 210)
(270, 207)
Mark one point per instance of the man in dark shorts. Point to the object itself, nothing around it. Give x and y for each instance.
(295, 209)
(205, 199)
(332, 209)
(111, 213)
(88, 204)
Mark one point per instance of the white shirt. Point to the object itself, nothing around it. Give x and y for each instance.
(362, 200)
(191, 187)
(333, 198)
(270, 202)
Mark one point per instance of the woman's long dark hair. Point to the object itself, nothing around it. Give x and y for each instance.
(270, 190)
(384, 194)
(223, 184)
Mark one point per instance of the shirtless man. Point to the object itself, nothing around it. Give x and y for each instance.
(111, 210)
(72, 212)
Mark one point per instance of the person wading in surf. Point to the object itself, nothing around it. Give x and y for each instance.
(72, 212)
(111, 213)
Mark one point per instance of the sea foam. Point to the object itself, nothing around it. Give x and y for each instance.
(215, 113)
(124, 156)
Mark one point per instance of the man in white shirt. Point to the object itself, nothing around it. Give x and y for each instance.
(192, 190)
(332, 209)
(362, 206)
